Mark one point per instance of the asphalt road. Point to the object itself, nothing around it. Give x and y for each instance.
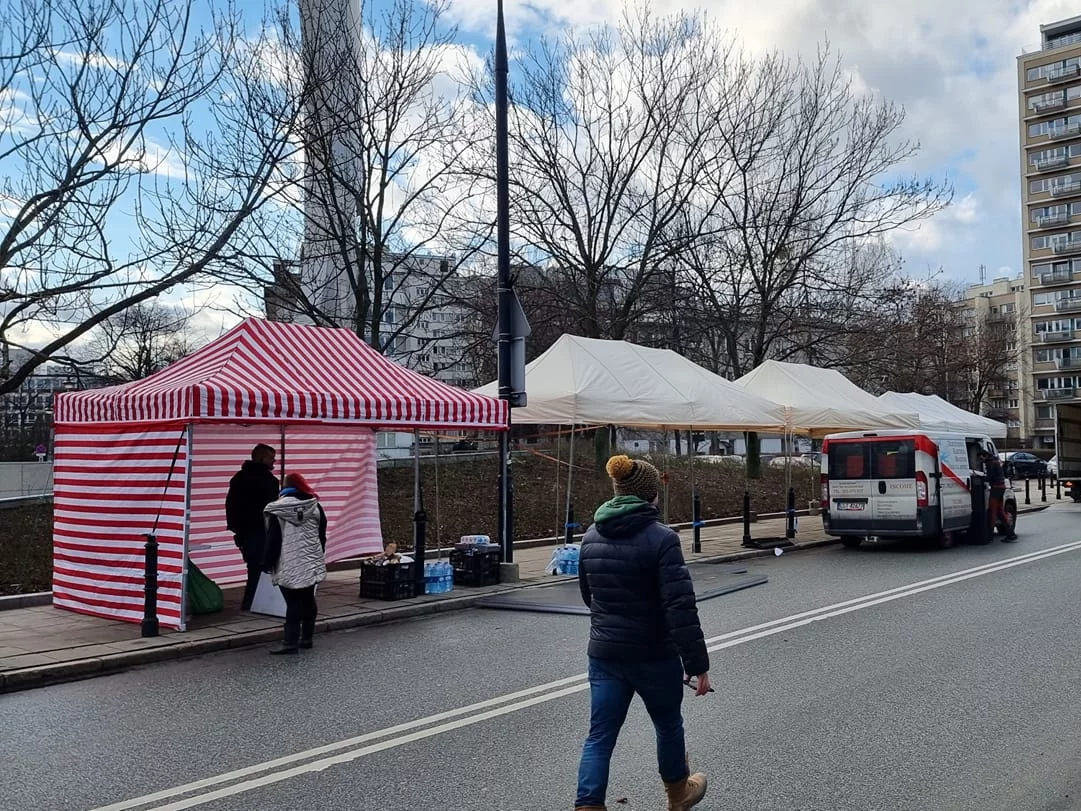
(854, 679)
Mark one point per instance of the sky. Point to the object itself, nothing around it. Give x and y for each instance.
(952, 64)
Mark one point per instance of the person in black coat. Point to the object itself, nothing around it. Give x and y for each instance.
(250, 490)
(644, 635)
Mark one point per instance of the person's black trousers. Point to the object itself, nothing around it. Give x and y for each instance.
(252, 549)
(300, 613)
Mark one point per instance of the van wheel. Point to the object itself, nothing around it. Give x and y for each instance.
(851, 543)
(944, 540)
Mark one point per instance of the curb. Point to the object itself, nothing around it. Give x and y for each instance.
(26, 600)
(157, 650)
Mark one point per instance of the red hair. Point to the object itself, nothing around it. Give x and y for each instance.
(298, 481)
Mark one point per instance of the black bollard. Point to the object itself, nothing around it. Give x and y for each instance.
(420, 532)
(1028, 500)
(1058, 488)
(150, 587)
(790, 531)
(747, 518)
(1043, 488)
(696, 520)
(570, 526)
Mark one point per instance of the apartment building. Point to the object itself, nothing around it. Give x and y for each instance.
(1000, 310)
(1049, 83)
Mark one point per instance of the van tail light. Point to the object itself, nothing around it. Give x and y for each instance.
(921, 489)
(825, 492)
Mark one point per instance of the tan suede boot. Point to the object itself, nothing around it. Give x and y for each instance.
(686, 793)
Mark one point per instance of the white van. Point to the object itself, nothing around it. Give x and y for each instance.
(904, 484)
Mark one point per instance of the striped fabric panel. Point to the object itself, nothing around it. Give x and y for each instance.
(110, 487)
(339, 462)
(262, 370)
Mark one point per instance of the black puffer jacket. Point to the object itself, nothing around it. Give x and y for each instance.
(250, 490)
(639, 591)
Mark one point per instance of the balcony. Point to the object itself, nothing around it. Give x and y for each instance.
(998, 413)
(1063, 247)
(1052, 220)
(1047, 164)
(1065, 189)
(1062, 336)
(1063, 74)
(1067, 362)
(1041, 107)
(1068, 131)
(1068, 305)
(1056, 277)
(1058, 394)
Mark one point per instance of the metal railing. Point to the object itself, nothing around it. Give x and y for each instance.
(1059, 394)
(1047, 164)
(1064, 246)
(1068, 305)
(1051, 220)
(1062, 189)
(1065, 131)
(1056, 337)
(1056, 277)
(1064, 41)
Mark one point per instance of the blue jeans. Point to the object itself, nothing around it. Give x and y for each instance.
(612, 685)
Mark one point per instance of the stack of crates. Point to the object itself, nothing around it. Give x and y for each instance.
(476, 564)
(391, 581)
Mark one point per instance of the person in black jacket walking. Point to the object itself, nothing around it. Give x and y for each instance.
(250, 490)
(644, 635)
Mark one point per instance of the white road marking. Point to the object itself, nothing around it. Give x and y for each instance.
(362, 746)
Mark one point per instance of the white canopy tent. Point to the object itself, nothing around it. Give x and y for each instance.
(823, 401)
(939, 415)
(588, 381)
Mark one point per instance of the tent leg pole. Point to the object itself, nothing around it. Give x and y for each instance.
(420, 519)
(569, 524)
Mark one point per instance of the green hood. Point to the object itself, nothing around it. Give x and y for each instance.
(618, 507)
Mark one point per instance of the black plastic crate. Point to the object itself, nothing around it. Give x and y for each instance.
(394, 581)
(476, 566)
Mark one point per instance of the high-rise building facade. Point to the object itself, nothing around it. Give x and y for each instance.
(1049, 83)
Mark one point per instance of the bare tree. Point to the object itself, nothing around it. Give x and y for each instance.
(606, 130)
(805, 191)
(115, 191)
(139, 341)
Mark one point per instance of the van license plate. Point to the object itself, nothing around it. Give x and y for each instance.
(851, 506)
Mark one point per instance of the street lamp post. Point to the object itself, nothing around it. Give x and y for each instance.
(512, 327)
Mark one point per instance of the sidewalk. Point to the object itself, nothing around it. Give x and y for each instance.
(42, 645)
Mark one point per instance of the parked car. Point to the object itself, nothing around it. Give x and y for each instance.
(1024, 465)
(1052, 466)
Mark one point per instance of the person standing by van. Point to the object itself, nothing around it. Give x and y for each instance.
(996, 478)
(644, 634)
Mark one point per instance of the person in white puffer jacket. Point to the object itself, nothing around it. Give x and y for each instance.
(296, 543)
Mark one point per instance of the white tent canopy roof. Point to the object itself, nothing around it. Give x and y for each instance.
(937, 414)
(823, 401)
(587, 381)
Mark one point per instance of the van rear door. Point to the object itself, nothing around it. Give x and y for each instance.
(894, 485)
(850, 489)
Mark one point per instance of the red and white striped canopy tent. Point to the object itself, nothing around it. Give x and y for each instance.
(159, 452)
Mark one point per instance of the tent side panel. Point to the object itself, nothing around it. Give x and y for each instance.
(110, 484)
(218, 451)
(340, 464)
